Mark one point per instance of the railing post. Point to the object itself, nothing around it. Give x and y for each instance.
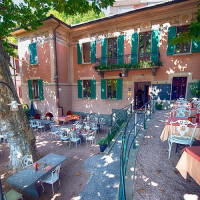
(153, 106)
(135, 121)
(111, 121)
(150, 110)
(145, 110)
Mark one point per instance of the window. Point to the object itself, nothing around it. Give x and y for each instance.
(112, 51)
(86, 88)
(35, 88)
(112, 89)
(86, 52)
(183, 47)
(179, 85)
(144, 46)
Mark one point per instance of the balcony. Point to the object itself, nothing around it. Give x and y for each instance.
(126, 63)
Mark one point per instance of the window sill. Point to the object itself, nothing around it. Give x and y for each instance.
(112, 98)
(86, 63)
(36, 100)
(182, 54)
(33, 65)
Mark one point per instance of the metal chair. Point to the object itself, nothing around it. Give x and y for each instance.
(26, 161)
(51, 178)
(40, 126)
(54, 132)
(33, 125)
(12, 195)
(74, 139)
(179, 133)
(91, 137)
(182, 112)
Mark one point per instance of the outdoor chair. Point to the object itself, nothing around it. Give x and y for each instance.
(54, 132)
(52, 178)
(12, 195)
(91, 137)
(74, 139)
(87, 128)
(33, 125)
(64, 137)
(26, 161)
(179, 133)
(102, 123)
(181, 112)
(40, 126)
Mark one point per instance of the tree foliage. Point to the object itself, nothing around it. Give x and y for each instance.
(29, 14)
(195, 89)
(77, 18)
(192, 34)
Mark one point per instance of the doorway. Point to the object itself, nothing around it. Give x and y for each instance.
(141, 92)
(179, 85)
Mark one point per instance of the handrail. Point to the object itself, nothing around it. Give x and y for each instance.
(128, 142)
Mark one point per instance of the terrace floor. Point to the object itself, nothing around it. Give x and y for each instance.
(156, 177)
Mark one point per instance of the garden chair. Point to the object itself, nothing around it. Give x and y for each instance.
(181, 112)
(33, 125)
(51, 178)
(26, 161)
(74, 139)
(54, 132)
(12, 195)
(91, 137)
(40, 126)
(179, 133)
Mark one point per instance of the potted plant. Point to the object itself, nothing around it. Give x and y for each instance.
(103, 143)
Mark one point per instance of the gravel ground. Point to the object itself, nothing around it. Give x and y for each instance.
(156, 177)
(73, 175)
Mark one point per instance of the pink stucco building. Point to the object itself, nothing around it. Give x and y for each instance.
(105, 64)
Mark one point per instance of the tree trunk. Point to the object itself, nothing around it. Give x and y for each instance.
(14, 124)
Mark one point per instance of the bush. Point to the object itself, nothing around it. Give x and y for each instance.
(102, 141)
(159, 106)
(195, 89)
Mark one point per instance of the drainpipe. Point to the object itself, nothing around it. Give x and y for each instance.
(56, 65)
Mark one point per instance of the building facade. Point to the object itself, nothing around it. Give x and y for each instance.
(106, 64)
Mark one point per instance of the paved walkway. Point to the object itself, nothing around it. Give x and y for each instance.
(105, 173)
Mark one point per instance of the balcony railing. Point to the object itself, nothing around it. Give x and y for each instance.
(127, 62)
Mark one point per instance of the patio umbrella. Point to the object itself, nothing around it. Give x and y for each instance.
(1, 192)
(32, 111)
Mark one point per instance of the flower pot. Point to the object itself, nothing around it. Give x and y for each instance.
(103, 147)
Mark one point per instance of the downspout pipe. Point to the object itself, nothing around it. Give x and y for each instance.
(56, 66)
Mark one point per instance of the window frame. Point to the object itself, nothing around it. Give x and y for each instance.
(112, 60)
(88, 89)
(83, 60)
(182, 44)
(35, 89)
(112, 88)
(144, 58)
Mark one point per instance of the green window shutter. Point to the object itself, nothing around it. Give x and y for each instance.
(80, 89)
(93, 52)
(103, 51)
(171, 34)
(40, 85)
(103, 88)
(30, 92)
(79, 53)
(195, 47)
(93, 88)
(33, 53)
(120, 49)
(155, 46)
(134, 49)
(119, 88)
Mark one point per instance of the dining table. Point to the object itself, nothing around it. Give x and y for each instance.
(27, 178)
(189, 163)
(167, 129)
(192, 109)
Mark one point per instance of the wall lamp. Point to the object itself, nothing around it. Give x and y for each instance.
(13, 105)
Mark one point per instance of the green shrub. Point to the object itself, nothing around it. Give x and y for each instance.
(195, 89)
(102, 141)
(159, 106)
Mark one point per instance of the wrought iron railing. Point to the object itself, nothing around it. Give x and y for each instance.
(126, 59)
(118, 118)
(134, 124)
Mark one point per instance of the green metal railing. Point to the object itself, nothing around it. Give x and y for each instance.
(134, 123)
(118, 118)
